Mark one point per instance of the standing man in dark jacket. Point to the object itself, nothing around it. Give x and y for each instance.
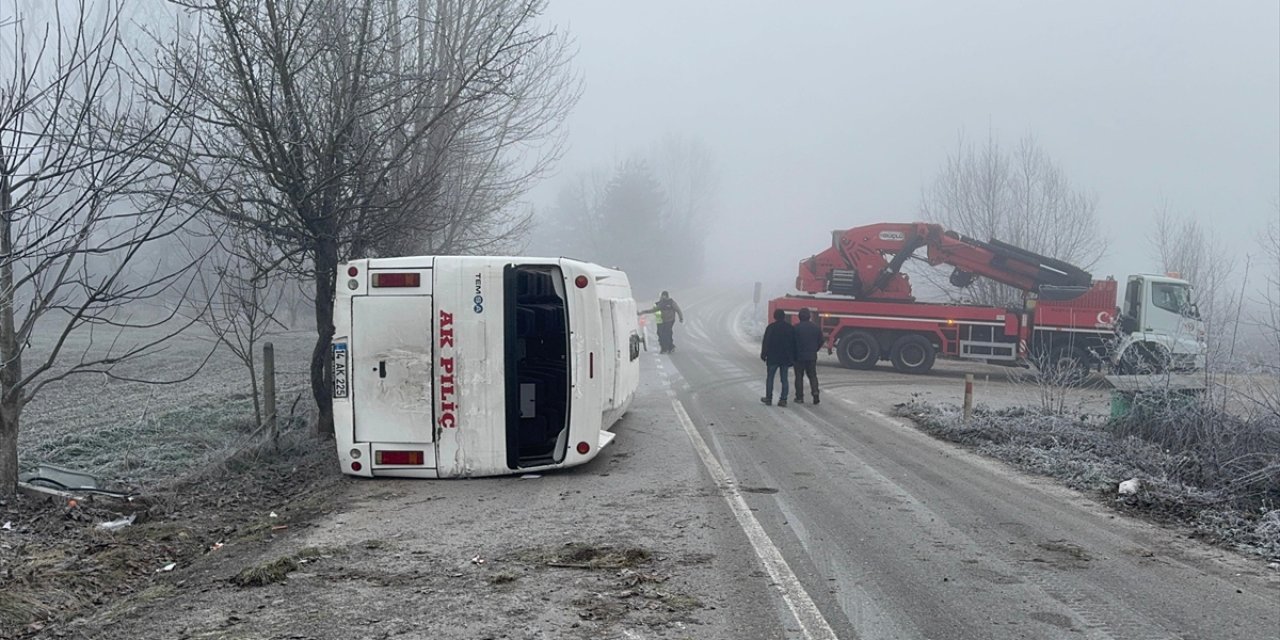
(778, 350)
(808, 341)
(666, 311)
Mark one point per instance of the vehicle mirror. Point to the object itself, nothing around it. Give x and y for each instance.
(1128, 324)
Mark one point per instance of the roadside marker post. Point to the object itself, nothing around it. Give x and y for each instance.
(968, 396)
(269, 391)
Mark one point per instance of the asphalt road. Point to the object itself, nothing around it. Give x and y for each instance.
(754, 523)
(869, 529)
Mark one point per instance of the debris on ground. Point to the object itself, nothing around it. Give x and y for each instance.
(60, 478)
(118, 523)
(1129, 487)
(58, 565)
(277, 570)
(577, 555)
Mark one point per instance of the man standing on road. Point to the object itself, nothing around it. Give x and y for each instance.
(778, 350)
(665, 311)
(808, 341)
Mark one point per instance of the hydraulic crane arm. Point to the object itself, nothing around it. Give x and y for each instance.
(866, 262)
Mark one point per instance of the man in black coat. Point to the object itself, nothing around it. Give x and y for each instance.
(808, 341)
(778, 350)
(666, 311)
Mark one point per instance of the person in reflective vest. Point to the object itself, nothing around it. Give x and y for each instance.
(665, 311)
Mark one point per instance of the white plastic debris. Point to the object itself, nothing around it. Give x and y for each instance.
(1129, 487)
(273, 515)
(118, 524)
(477, 560)
(1274, 565)
(167, 567)
(8, 526)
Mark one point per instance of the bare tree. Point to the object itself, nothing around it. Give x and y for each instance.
(573, 226)
(1271, 295)
(1021, 197)
(237, 300)
(618, 220)
(1266, 388)
(72, 223)
(1186, 249)
(1183, 247)
(685, 168)
(338, 128)
(486, 151)
(649, 214)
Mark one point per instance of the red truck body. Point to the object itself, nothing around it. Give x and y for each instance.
(1062, 319)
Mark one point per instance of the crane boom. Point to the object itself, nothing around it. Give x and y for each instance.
(866, 262)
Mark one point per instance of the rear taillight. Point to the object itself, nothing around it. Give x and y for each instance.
(356, 466)
(398, 457)
(352, 272)
(390, 280)
(584, 448)
(581, 282)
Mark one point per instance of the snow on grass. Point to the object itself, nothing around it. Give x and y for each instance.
(1092, 453)
(142, 434)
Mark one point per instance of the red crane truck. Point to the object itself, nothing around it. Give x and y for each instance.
(1067, 320)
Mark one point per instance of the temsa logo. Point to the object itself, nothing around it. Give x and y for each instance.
(445, 380)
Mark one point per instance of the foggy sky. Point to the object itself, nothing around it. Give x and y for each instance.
(826, 115)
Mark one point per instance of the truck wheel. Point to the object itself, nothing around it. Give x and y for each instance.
(912, 353)
(1144, 359)
(858, 350)
(1067, 365)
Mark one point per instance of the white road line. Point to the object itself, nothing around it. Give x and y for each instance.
(812, 624)
(739, 335)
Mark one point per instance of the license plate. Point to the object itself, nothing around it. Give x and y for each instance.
(339, 369)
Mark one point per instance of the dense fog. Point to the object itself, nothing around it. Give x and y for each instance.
(828, 115)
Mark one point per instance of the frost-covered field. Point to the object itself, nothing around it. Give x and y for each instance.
(142, 434)
(1216, 473)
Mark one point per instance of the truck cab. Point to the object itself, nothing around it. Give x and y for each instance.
(1160, 326)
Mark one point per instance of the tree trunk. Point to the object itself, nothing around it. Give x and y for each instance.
(253, 385)
(10, 350)
(269, 393)
(8, 449)
(326, 264)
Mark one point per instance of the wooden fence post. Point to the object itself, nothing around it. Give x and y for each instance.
(269, 391)
(968, 396)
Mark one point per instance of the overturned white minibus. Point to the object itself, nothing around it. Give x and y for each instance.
(453, 366)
